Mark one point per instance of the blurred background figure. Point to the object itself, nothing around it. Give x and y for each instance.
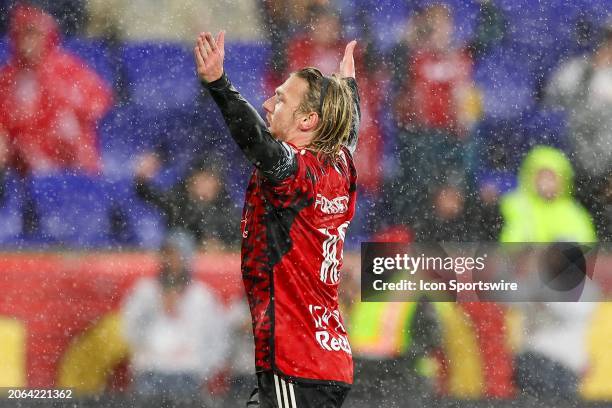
(435, 77)
(50, 102)
(240, 369)
(445, 219)
(176, 327)
(544, 196)
(71, 15)
(553, 354)
(582, 87)
(199, 203)
(434, 104)
(391, 342)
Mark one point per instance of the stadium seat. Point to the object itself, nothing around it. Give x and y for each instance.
(506, 84)
(11, 215)
(4, 50)
(96, 55)
(363, 223)
(535, 21)
(161, 77)
(597, 10)
(121, 138)
(386, 20)
(545, 127)
(73, 210)
(137, 224)
(245, 64)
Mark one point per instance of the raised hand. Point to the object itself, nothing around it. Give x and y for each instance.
(209, 54)
(347, 65)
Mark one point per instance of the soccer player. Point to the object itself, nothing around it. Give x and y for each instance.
(299, 202)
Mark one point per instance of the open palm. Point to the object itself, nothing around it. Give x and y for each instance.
(209, 54)
(347, 65)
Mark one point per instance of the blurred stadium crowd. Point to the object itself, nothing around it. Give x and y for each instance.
(482, 120)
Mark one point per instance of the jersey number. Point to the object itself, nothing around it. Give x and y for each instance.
(332, 253)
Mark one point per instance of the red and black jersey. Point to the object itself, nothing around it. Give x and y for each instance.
(296, 214)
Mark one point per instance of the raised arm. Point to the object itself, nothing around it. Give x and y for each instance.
(273, 158)
(347, 71)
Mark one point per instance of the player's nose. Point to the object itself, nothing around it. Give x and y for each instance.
(268, 105)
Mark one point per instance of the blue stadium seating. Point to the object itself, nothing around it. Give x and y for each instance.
(545, 127)
(122, 136)
(73, 210)
(4, 50)
(364, 222)
(161, 77)
(245, 64)
(507, 86)
(142, 225)
(11, 220)
(96, 55)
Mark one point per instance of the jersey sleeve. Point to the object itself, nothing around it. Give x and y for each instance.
(274, 159)
(351, 143)
(299, 183)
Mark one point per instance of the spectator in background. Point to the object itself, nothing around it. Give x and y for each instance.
(445, 218)
(434, 77)
(199, 203)
(70, 14)
(582, 87)
(435, 104)
(282, 20)
(457, 214)
(241, 381)
(176, 328)
(172, 20)
(483, 213)
(50, 101)
(323, 46)
(542, 209)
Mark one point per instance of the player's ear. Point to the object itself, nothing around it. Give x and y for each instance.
(309, 122)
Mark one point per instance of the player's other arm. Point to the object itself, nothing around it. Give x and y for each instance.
(347, 71)
(273, 158)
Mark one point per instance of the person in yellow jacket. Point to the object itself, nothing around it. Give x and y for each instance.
(388, 340)
(542, 208)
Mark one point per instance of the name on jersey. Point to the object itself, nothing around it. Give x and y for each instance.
(336, 205)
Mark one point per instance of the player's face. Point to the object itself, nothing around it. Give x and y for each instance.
(281, 109)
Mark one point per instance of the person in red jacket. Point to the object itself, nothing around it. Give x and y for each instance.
(299, 202)
(435, 77)
(50, 101)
